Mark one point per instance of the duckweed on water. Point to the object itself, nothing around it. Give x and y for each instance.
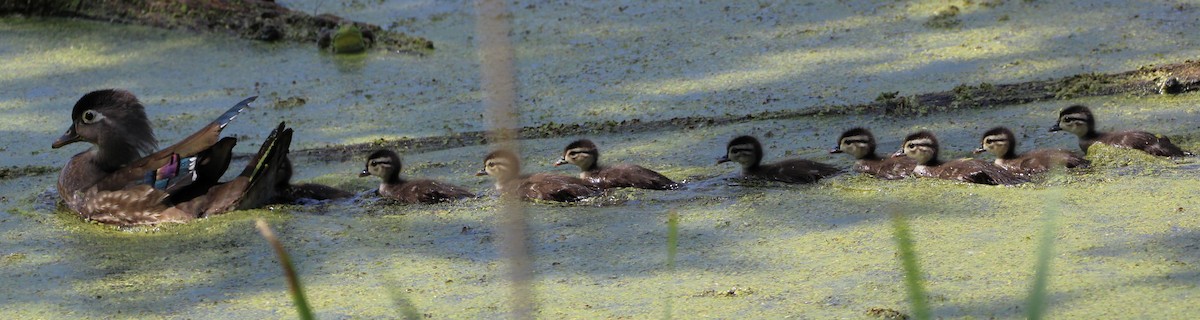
(1126, 249)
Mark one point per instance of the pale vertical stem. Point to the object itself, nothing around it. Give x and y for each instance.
(499, 95)
(1037, 301)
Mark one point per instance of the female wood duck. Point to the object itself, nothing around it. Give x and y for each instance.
(1003, 143)
(923, 147)
(748, 152)
(583, 153)
(1078, 119)
(505, 166)
(386, 165)
(860, 143)
(116, 182)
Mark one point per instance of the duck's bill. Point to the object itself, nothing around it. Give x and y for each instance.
(67, 138)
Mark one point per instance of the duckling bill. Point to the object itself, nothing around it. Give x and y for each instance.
(748, 152)
(584, 154)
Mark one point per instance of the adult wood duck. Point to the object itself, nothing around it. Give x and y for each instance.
(120, 181)
(923, 147)
(1003, 143)
(583, 153)
(860, 143)
(505, 167)
(386, 165)
(1078, 119)
(748, 152)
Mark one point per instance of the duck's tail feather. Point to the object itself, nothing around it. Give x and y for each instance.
(233, 112)
(264, 170)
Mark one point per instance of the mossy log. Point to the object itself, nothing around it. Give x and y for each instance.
(262, 20)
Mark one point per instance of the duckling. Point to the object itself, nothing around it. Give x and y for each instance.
(505, 166)
(1003, 143)
(583, 153)
(386, 165)
(860, 143)
(923, 147)
(120, 181)
(297, 193)
(748, 152)
(1078, 119)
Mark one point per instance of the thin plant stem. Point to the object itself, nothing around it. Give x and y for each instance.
(912, 269)
(672, 248)
(1036, 304)
(289, 272)
(499, 83)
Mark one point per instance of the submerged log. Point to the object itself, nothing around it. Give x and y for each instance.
(262, 20)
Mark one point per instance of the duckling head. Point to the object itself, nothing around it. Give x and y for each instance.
(1076, 119)
(999, 141)
(744, 150)
(501, 164)
(384, 164)
(582, 153)
(857, 142)
(922, 147)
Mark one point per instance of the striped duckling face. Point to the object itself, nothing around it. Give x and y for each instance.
(998, 141)
(383, 163)
(921, 147)
(744, 150)
(857, 142)
(1075, 119)
(501, 164)
(581, 153)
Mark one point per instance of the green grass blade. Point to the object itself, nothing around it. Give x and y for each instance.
(912, 270)
(407, 309)
(672, 248)
(289, 272)
(1036, 304)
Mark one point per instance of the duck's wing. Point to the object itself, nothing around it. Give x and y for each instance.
(1145, 141)
(630, 175)
(180, 159)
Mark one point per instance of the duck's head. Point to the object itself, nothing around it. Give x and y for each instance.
(582, 153)
(921, 146)
(999, 141)
(384, 164)
(113, 120)
(1076, 119)
(501, 164)
(857, 142)
(744, 150)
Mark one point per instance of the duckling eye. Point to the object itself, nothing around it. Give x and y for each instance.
(91, 116)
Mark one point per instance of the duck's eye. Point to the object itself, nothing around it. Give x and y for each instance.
(91, 116)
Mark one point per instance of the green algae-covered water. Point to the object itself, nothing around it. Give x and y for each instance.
(1126, 243)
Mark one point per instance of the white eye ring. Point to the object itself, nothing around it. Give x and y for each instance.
(90, 117)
